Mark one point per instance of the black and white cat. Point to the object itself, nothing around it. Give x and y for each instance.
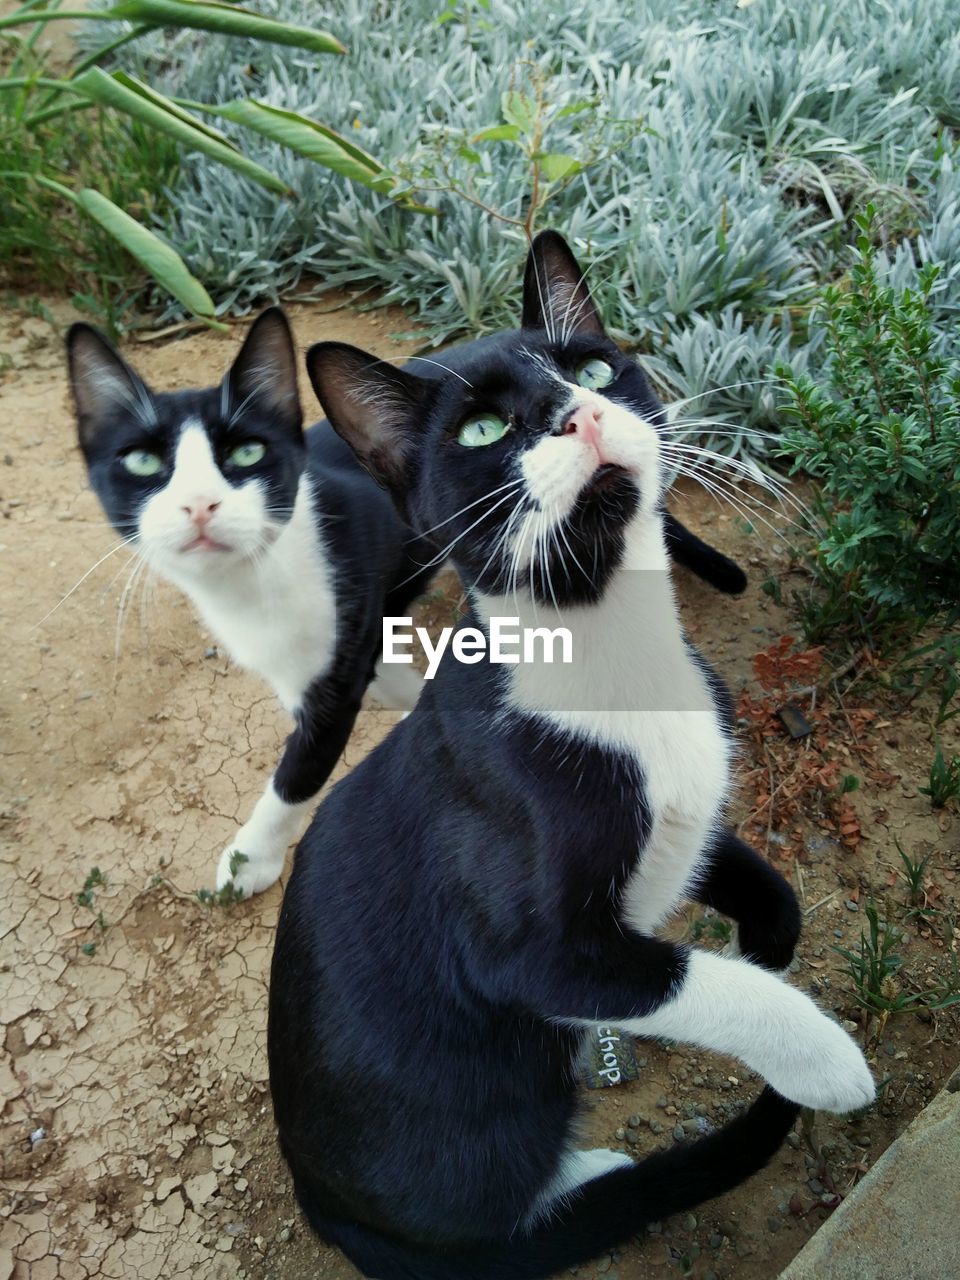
(489, 882)
(287, 549)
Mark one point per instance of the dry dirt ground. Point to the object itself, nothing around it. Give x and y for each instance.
(136, 1139)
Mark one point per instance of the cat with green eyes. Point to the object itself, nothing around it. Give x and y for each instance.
(283, 544)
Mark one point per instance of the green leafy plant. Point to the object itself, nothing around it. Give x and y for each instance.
(944, 779)
(934, 667)
(557, 137)
(883, 440)
(43, 174)
(711, 927)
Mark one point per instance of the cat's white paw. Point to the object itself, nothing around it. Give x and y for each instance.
(823, 1068)
(254, 858)
(246, 870)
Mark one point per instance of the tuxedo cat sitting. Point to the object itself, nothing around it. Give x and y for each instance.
(490, 882)
(287, 550)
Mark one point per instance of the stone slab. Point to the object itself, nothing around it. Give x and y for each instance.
(902, 1222)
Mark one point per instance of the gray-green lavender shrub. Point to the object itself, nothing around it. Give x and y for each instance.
(750, 138)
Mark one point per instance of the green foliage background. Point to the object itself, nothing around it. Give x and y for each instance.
(735, 145)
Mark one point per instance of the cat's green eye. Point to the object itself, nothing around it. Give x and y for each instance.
(142, 463)
(594, 374)
(482, 428)
(248, 454)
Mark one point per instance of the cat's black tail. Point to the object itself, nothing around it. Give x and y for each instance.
(600, 1215)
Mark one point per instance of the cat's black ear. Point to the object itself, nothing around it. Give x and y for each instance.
(375, 407)
(555, 294)
(265, 371)
(103, 384)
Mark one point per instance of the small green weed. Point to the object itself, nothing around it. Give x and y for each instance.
(913, 873)
(944, 779)
(95, 880)
(229, 895)
(874, 970)
(713, 928)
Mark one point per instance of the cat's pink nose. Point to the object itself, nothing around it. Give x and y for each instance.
(585, 422)
(200, 510)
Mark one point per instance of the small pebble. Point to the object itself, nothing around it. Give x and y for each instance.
(851, 905)
(690, 1221)
(678, 1132)
(662, 1102)
(620, 1134)
(773, 1223)
(656, 1126)
(633, 1135)
(698, 1080)
(816, 1186)
(714, 1239)
(634, 1122)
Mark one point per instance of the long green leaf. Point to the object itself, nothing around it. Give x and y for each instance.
(307, 138)
(228, 19)
(136, 99)
(155, 255)
(175, 108)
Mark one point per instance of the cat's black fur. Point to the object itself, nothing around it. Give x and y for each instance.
(454, 904)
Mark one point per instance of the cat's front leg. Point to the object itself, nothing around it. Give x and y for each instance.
(659, 989)
(254, 859)
(737, 1008)
(738, 883)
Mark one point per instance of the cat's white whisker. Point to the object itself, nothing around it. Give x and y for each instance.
(696, 468)
(441, 556)
(728, 386)
(125, 542)
(511, 484)
(445, 367)
(725, 492)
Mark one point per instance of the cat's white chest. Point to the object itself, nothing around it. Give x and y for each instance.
(685, 759)
(277, 617)
(635, 689)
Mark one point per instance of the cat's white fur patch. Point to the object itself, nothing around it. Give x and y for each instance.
(396, 687)
(576, 1168)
